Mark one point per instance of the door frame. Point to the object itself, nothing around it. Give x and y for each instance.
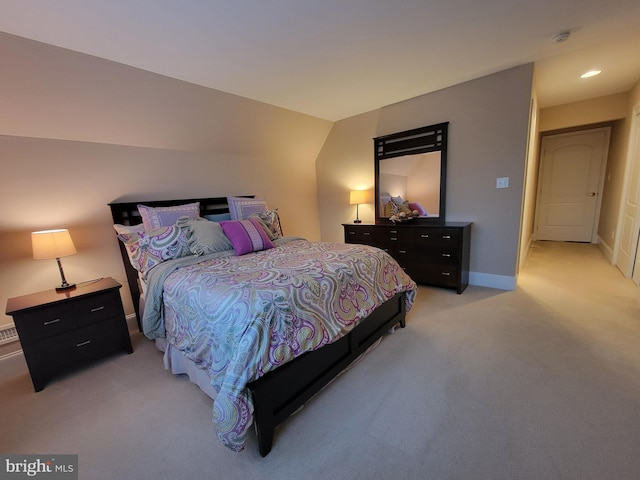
(633, 145)
(603, 169)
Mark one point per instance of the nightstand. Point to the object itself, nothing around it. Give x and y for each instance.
(60, 331)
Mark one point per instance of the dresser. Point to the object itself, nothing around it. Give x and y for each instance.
(60, 331)
(436, 255)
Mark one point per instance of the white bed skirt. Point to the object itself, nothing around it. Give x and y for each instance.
(178, 364)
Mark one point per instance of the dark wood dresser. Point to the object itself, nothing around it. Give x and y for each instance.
(431, 255)
(64, 330)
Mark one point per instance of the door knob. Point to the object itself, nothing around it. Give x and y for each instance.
(592, 194)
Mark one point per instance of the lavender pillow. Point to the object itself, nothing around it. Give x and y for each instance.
(166, 216)
(246, 236)
(240, 208)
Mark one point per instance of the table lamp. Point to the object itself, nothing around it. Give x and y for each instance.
(49, 244)
(356, 197)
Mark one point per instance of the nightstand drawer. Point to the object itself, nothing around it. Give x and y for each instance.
(97, 307)
(45, 322)
(81, 345)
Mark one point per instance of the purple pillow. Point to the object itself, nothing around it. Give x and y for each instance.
(246, 236)
(159, 217)
(416, 206)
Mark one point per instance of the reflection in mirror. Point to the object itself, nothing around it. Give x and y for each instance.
(411, 180)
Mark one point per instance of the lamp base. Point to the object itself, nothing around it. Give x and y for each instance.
(65, 287)
(357, 221)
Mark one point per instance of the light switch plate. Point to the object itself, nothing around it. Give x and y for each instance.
(502, 182)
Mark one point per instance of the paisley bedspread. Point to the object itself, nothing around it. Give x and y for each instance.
(241, 317)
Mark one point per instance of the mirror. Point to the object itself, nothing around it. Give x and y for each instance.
(410, 175)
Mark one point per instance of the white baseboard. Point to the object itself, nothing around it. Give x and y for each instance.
(11, 354)
(132, 322)
(501, 282)
(606, 250)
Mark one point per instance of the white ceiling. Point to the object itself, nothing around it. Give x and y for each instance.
(337, 58)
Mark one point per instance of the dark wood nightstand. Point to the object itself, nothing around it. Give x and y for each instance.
(60, 331)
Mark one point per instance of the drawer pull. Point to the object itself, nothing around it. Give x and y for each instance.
(446, 254)
(52, 321)
(393, 231)
(367, 233)
(446, 274)
(393, 239)
(402, 251)
(446, 236)
(424, 235)
(97, 309)
(351, 233)
(82, 344)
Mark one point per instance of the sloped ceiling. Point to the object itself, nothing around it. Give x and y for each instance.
(334, 58)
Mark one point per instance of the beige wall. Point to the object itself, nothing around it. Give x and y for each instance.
(613, 111)
(595, 110)
(77, 132)
(488, 130)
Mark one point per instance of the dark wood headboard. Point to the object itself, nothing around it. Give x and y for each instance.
(126, 213)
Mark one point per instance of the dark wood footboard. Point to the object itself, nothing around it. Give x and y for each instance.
(281, 392)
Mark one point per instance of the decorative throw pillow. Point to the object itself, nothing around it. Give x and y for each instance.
(128, 229)
(156, 217)
(240, 208)
(218, 217)
(152, 247)
(416, 206)
(246, 235)
(271, 222)
(203, 236)
(390, 209)
(404, 207)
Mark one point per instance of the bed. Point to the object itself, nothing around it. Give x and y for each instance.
(262, 368)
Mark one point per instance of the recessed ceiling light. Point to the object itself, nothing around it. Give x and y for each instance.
(590, 73)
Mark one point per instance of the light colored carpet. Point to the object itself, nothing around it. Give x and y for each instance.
(540, 383)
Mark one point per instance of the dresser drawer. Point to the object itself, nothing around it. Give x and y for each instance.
(95, 308)
(439, 275)
(363, 235)
(440, 255)
(437, 237)
(44, 322)
(396, 235)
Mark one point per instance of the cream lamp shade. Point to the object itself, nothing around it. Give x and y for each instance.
(49, 244)
(356, 197)
(360, 196)
(52, 244)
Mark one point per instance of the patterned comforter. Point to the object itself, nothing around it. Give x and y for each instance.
(241, 317)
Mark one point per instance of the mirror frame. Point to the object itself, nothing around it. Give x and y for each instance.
(432, 138)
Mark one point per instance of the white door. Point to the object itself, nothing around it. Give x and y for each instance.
(629, 221)
(571, 179)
